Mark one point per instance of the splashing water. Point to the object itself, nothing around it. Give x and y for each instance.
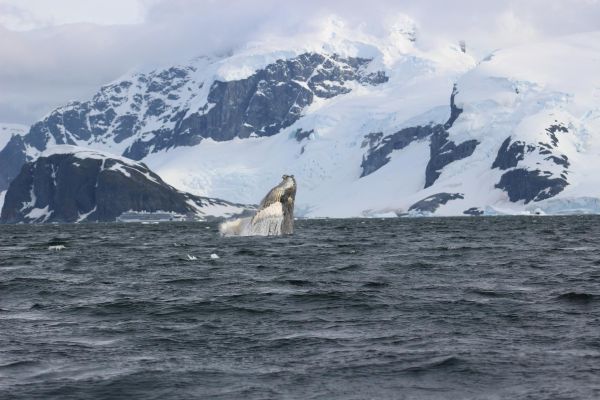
(275, 216)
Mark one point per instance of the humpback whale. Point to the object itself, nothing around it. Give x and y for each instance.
(275, 215)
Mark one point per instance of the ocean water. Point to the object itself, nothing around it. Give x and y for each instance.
(456, 308)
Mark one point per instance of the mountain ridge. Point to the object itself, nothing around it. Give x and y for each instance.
(366, 136)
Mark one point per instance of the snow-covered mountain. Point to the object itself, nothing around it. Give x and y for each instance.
(368, 125)
(72, 184)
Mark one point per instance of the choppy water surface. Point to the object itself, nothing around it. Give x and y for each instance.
(492, 308)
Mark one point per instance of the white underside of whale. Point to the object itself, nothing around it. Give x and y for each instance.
(266, 222)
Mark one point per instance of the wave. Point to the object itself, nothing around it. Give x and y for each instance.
(19, 364)
(435, 364)
(579, 297)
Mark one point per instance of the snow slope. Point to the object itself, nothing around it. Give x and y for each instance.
(327, 162)
(517, 93)
(520, 93)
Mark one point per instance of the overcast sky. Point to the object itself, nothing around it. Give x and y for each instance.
(53, 51)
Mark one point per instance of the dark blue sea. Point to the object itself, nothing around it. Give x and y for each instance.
(454, 308)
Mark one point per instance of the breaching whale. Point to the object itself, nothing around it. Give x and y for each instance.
(275, 215)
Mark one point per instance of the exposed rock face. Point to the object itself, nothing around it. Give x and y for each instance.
(474, 211)
(12, 157)
(300, 135)
(443, 151)
(510, 154)
(380, 147)
(273, 98)
(522, 184)
(430, 204)
(165, 109)
(528, 183)
(262, 104)
(88, 186)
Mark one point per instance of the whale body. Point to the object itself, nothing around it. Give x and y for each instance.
(275, 215)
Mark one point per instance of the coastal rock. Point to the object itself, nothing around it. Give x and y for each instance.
(430, 204)
(68, 184)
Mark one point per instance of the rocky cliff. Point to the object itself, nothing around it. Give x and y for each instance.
(69, 184)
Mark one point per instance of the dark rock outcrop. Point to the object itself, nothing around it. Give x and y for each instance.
(300, 135)
(432, 203)
(510, 154)
(70, 187)
(380, 147)
(12, 157)
(522, 183)
(455, 111)
(552, 131)
(473, 211)
(264, 103)
(442, 150)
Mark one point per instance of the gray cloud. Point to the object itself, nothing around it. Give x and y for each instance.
(41, 69)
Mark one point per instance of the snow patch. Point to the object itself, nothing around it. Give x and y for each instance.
(83, 217)
(39, 214)
(85, 153)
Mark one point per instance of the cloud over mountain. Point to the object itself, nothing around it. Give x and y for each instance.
(51, 60)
